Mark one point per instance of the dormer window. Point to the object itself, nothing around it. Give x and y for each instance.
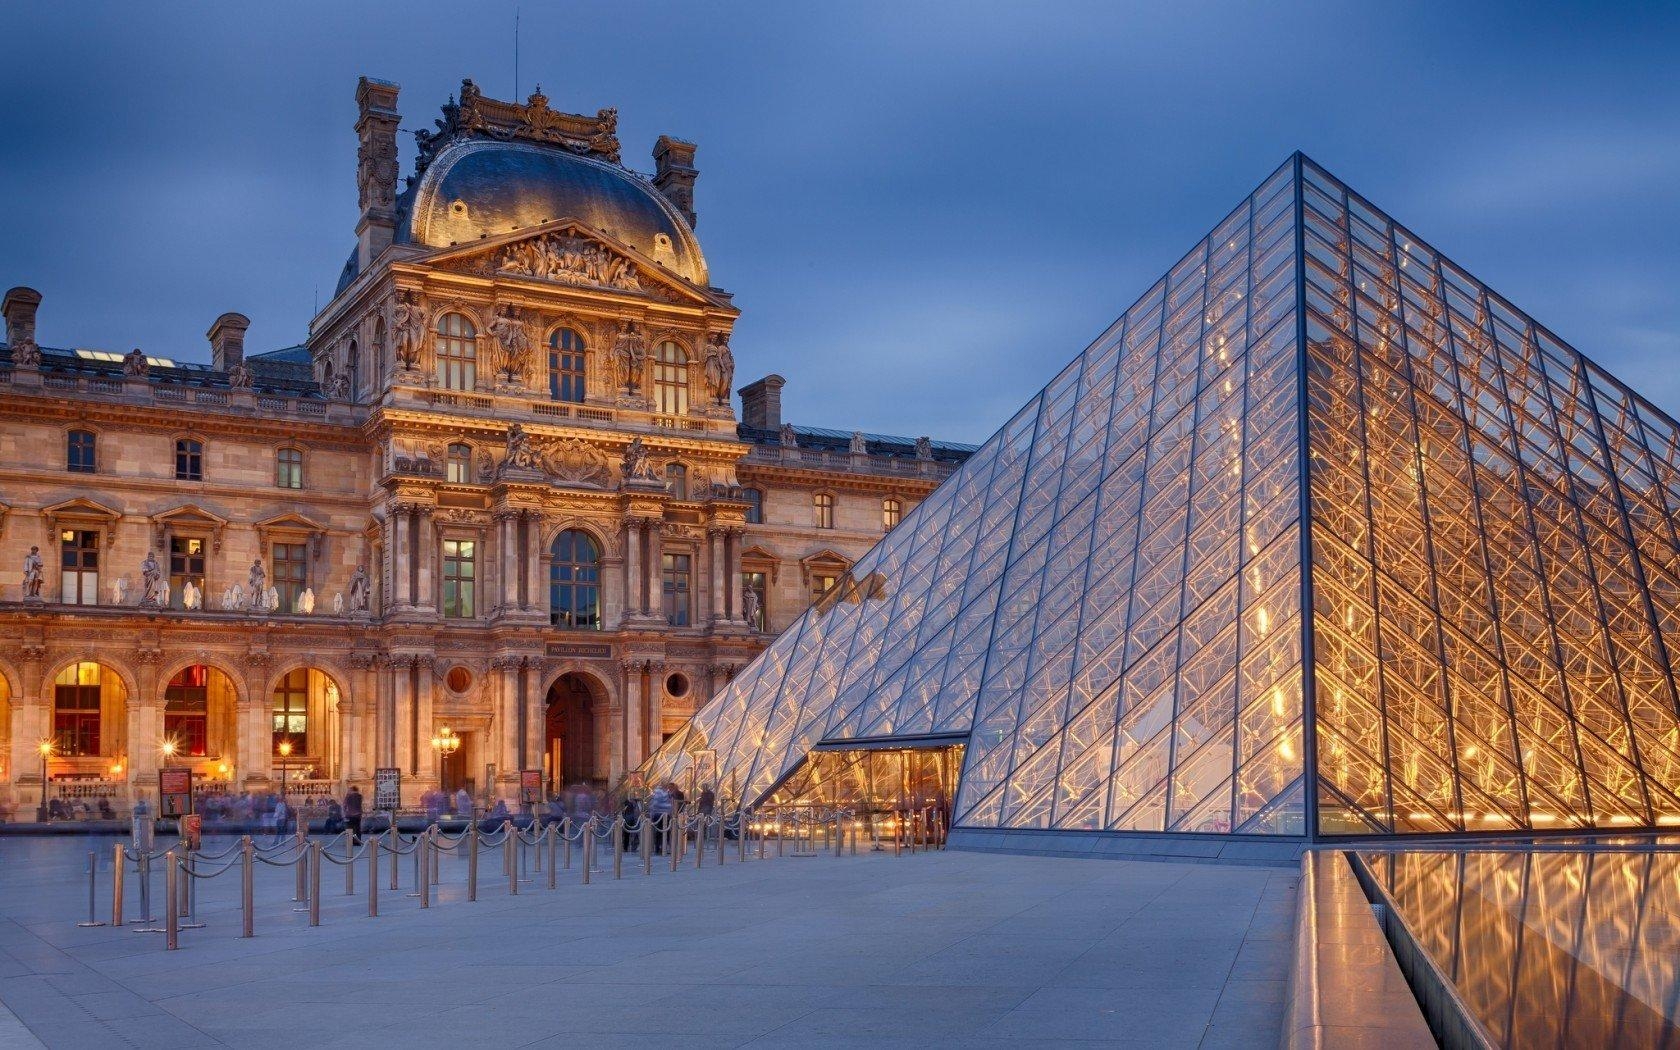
(457, 352)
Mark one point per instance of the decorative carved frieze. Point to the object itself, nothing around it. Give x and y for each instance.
(568, 260)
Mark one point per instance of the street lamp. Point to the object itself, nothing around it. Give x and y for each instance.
(285, 750)
(445, 742)
(45, 747)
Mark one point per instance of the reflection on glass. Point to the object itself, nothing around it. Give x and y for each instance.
(1549, 949)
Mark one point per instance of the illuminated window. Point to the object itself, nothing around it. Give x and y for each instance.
(674, 580)
(186, 565)
(291, 712)
(79, 559)
(460, 464)
(670, 379)
(186, 708)
(291, 573)
(79, 452)
(76, 709)
(457, 353)
(189, 460)
(574, 582)
(459, 578)
(754, 498)
(823, 506)
(566, 366)
(288, 468)
(676, 480)
(821, 584)
(892, 512)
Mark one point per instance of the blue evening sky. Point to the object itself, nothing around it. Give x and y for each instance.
(923, 210)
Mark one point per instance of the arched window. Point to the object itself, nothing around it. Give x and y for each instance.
(574, 582)
(822, 506)
(189, 459)
(291, 712)
(79, 452)
(353, 365)
(460, 464)
(754, 499)
(288, 468)
(565, 366)
(76, 704)
(676, 480)
(457, 353)
(186, 711)
(892, 512)
(670, 379)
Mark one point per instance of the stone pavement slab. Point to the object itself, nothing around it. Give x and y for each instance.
(935, 949)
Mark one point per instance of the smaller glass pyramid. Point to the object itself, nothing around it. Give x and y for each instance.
(1315, 460)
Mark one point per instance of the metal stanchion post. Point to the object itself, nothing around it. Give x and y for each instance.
(857, 833)
(699, 840)
(839, 833)
(119, 867)
(302, 893)
(420, 869)
(183, 886)
(432, 833)
(372, 843)
(247, 885)
(553, 872)
(673, 839)
(172, 907)
(349, 865)
(743, 829)
(781, 839)
(146, 887)
(93, 875)
(588, 848)
(644, 841)
(472, 861)
(617, 830)
(537, 840)
(315, 883)
(510, 860)
(425, 848)
(395, 847)
(760, 833)
(898, 833)
(566, 846)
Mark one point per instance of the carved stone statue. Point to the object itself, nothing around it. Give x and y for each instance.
(151, 582)
(191, 596)
(25, 352)
(720, 368)
(234, 599)
(32, 566)
(360, 591)
(924, 448)
(569, 260)
(753, 609)
(522, 454)
(859, 445)
(636, 466)
(513, 345)
(306, 601)
(239, 376)
(255, 583)
(134, 362)
(338, 387)
(789, 438)
(408, 331)
(271, 600)
(629, 355)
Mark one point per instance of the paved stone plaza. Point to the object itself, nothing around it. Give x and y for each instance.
(935, 949)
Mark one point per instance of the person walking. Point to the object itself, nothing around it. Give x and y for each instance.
(631, 811)
(705, 805)
(463, 803)
(353, 814)
(659, 816)
(282, 813)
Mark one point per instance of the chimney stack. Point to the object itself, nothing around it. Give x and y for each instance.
(227, 341)
(19, 309)
(376, 168)
(761, 403)
(674, 173)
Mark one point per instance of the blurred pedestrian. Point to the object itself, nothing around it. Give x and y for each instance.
(353, 813)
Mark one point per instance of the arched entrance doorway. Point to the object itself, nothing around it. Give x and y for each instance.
(303, 734)
(200, 711)
(569, 733)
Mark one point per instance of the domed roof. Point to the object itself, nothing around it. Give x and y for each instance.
(478, 187)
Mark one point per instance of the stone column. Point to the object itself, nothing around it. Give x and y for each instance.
(635, 681)
(536, 599)
(731, 572)
(507, 586)
(651, 603)
(31, 723)
(254, 756)
(427, 598)
(716, 567)
(653, 688)
(400, 554)
(507, 717)
(632, 567)
(145, 722)
(424, 758)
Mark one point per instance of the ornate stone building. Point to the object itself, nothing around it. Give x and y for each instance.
(502, 488)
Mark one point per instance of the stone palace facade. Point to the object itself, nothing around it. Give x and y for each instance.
(502, 488)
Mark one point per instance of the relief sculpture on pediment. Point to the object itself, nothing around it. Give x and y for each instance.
(569, 260)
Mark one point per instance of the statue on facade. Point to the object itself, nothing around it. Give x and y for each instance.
(271, 600)
(360, 590)
(513, 345)
(629, 355)
(254, 584)
(924, 448)
(720, 368)
(233, 598)
(790, 439)
(151, 582)
(32, 569)
(753, 609)
(191, 596)
(860, 444)
(306, 601)
(522, 453)
(408, 331)
(239, 376)
(338, 386)
(25, 352)
(134, 363)
(636, 466)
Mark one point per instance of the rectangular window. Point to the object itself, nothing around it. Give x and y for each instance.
(79, 452)
(79, 582)
(459, 576)
(823, 506)
(288, 468)
(675, 575)
(76, 714)
(291, 573)
(821, 585)
(754, 499)
(291, 713)
(460, 464)
(186, 564)
(754, 583)
(566, 366)
(189, 460)
(186, 706)
(892, 512)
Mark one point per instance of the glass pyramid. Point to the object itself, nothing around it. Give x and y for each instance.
(1107, 603)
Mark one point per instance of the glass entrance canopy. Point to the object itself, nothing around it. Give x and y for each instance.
(1321, 537)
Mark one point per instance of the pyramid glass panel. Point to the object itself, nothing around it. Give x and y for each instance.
(1321, 537)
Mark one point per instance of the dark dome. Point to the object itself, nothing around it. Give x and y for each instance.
(477, 187)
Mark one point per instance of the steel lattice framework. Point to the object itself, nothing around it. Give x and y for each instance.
(1108, 603)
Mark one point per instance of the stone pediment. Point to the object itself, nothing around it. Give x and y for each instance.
(567, 253)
